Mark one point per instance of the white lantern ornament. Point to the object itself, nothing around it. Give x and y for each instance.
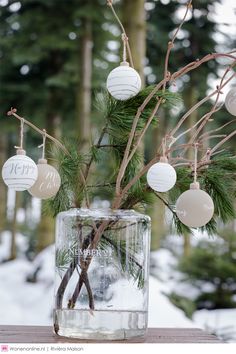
(124, 82)
(230, 101)
(20, 172)
(48, 181)
(161, 176)
(195, 207)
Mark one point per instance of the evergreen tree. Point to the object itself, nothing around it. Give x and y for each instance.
(210, 269)
(51, 34)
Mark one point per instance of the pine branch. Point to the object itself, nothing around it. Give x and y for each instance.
(93, 152)
(223, 194)
(71, 192)
(120, 114)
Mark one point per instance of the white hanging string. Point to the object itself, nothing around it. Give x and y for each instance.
(124, 39)
(195, 161)
(109, 3)
(22, 121)
(44, 143)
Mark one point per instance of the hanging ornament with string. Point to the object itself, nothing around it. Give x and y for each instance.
(230, 101)
(20, 172)
(195, 207)
(123, 82)
(161, 176)
(48, 181)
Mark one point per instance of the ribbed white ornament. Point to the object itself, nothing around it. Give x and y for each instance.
(230, 101)
(195, 208)
(123, 82)
(161, 176)
(19, 172)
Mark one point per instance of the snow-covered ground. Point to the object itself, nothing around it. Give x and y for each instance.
(162, 313)
(23, 302)
(222, 322)
(31, 303)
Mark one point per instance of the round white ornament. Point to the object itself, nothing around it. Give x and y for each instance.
(195, 208)
(230, 101)
(19, 172)
(161, 176)
(123, 82)
(48, 181)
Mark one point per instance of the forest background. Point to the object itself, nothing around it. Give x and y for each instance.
(55, 56)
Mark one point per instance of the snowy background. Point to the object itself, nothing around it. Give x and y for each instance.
(25, 301)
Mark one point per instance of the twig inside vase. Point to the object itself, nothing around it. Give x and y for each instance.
(85, 262)
(72, 266)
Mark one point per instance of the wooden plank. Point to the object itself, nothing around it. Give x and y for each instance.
(44, 334)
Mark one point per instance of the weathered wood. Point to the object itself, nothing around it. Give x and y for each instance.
(44, 334)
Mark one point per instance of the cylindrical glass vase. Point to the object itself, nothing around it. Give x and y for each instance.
(102, 271)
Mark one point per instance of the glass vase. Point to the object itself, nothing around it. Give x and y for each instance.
(102, 272)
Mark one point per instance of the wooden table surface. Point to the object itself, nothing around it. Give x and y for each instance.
(44, 334)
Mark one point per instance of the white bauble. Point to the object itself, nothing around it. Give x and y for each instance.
(230, 101)
(161, 177)
(195, 208)
(48, 181)
(123, 82)
(19, 172)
